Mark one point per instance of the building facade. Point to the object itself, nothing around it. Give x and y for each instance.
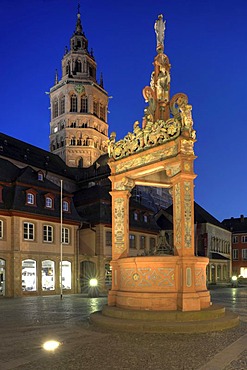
(238, 227)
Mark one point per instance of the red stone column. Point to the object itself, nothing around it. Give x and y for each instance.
(120, 230)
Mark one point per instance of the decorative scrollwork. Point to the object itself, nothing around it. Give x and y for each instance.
(152, 135)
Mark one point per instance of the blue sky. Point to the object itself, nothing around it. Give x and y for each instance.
(205, 41)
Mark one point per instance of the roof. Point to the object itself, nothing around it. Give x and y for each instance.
(236, 225)
(201, 216)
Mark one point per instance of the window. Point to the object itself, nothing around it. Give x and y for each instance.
(108, 237)
(145, 218)
(30, 198)
(1, 194)
(132, 241)
(47, 233)
(244, 239)
(142, 242)
(65, 235)
(28, 231)
(244, 254)
(55, 108)
(48, 202)
(235, 254)
(62, 105)
(102, 112)
(95, 108)
(235, 239)
(73, 103)
(40, 176)
(65, 206)
(28, 275)
(152, 243)
(66, 274)
(1, 229)
(84, 106)
(48, 275)
(135, 216)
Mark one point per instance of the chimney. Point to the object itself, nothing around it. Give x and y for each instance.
(241, 218)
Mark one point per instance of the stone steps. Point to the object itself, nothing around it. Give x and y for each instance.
(214, 318)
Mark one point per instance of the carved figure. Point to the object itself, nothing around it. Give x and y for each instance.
(159, 28)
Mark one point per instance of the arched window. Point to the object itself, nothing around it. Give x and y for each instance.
(62, 105)
(84, 104)
(40, 176)
(48, 275)
(73, 103)
(48, 202)
(65, 206)
(29, 275)
(66, 274)
(95, 107)
(78, 65)
(31, 197)
(102, 112)
(55, 108)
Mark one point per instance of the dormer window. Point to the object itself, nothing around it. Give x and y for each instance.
(1, 194)
(145, 218)
(40, 176)
(66, 205)
(49, 201)
(135, 216)
(31, 197)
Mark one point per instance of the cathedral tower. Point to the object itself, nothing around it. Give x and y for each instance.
(78, 127)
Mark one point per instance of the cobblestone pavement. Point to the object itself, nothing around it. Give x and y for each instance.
(26, 323)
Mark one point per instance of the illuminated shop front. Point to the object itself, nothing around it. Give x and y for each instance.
(48, 275)
(2, 277)
(66, 274)
(29, 275)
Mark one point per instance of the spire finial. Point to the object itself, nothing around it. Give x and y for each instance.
(160, 27)
(56, 77)
(78, 29)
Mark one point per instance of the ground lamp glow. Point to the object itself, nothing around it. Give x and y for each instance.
(51, 345)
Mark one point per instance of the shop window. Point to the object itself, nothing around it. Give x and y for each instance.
(48, 233)
(66, 274)
(142, 242)
(235, 239)
(244, 254)
(2, 277)
(65, 235)
(48, 275)
(28, 231)
(235, 254)
(1, 229)
(244, 239)
(108, 274)
(132, 241)
(108, 237)
(28, 275)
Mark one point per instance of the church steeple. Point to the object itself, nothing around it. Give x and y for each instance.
(79, 129)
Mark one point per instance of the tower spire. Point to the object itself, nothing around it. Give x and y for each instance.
(78, 30)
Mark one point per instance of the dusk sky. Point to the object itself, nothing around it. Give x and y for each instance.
(206, 42)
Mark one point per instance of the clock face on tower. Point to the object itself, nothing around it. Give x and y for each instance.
(79, 88)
